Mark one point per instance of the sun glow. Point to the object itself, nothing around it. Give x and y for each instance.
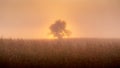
(51, 37)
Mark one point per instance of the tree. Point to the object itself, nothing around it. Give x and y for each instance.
(58, 29)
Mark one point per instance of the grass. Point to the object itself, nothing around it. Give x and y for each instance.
(66, 53)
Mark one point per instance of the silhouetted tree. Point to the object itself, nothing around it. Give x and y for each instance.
(58, 29)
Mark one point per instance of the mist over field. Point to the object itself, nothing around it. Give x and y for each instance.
(59, 33)
(66, 53)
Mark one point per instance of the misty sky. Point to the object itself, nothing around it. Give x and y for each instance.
(85, 18)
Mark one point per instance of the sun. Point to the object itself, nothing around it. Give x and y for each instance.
(51, 37)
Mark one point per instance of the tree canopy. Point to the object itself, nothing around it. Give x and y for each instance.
(58, 29)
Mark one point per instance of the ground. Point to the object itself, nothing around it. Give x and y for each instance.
(65, 53)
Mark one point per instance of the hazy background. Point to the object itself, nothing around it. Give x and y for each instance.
(85, 18)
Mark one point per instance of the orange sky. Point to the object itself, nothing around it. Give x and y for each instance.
(85, 18)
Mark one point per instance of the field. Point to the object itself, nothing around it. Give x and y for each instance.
(66, 53)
